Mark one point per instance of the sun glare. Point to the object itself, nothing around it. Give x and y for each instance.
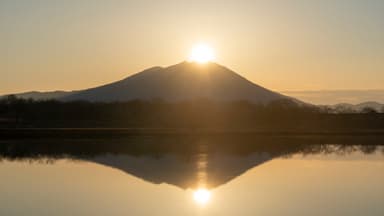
(202, 196)
(202, 53)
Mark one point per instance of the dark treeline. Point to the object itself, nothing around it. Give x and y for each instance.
(187, 147)
(279, 115)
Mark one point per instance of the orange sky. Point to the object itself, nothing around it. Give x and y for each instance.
(281, 45)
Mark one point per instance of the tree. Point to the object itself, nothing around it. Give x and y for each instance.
(369, 110)
(9, 99)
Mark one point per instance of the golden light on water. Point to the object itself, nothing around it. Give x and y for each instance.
(202, 196)
(202, 53)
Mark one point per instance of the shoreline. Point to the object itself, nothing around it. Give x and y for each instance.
(18, 133)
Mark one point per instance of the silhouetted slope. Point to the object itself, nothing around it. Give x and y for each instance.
(180, 82)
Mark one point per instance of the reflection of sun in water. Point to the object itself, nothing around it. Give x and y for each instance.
(202, 196)
(202, 53)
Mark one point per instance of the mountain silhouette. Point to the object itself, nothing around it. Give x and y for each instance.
(182, 172)
(378, 107)
(180, 82)
(189, 80)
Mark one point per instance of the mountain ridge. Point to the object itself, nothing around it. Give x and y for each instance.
(180, 82)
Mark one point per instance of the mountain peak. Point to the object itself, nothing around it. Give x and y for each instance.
(191, 65)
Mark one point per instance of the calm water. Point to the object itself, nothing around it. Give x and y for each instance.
(176, 176)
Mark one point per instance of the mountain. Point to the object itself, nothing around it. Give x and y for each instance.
(180, 82)
(370, 104)
(346, 107)
(36, 95)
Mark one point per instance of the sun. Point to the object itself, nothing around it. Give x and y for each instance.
(202, 53)
(202, 196)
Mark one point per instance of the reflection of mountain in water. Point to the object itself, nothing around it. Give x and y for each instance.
(198, 170)
(185, 162)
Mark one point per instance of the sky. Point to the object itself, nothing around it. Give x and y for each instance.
(283, 45)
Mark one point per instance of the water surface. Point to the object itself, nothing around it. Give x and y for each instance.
(177, 176)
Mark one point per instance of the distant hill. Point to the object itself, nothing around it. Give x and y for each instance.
(180, 82)
(328, 97)
(36, 95)
(345, 107)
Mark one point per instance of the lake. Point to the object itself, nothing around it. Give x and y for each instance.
(177, 175)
